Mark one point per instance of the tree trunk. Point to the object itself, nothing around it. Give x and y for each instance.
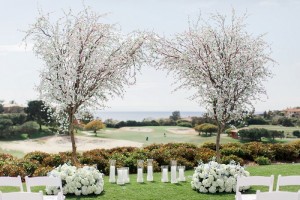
(40, 127)
(221, 128)
(71, 133)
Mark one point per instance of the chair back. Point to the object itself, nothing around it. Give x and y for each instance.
(277, 195)
(21, 196)
(255, 180)
(287, 180)
(42, 180)
(11, 181)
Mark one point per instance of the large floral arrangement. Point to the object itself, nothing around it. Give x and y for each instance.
(213, 177)
(78, 181)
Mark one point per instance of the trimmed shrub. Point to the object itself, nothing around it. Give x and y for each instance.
(30, 127)
(296, 133)
(29, 166)
(257, 149)
(185, 124)
(205, 155)
(42, 171)
(261, 160)
(230, 158)
(285, 152)
(210, 145)
(36, 156)
(12, 169)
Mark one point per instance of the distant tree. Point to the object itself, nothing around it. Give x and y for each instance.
(284, 121)
(5, 124)
(87, 117)
(86, 63)
(296, 133)
(256, 121)
(206, 128)
(253, 134)
(37, 111)
(276, 134)
(223, 63)
(1, 108)
(94, 125)
(175, 116)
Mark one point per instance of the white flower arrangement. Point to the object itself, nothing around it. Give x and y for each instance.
(213, 177)
(78, 181)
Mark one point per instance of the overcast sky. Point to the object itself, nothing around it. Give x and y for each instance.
(19, 69)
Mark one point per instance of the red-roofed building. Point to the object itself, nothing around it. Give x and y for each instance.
(292, 112)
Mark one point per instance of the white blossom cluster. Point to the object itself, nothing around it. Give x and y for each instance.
(220, 61)
(213, 177)
(78, 181)
(87, 62)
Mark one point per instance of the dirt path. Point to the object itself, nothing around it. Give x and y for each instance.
(55, 144)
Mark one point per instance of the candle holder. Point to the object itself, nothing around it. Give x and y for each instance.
(174, 171)
(164, 170)
(112, 171)
(181, 176)
(149, 169)
(127, 179)
(140, 166)
(121, 176)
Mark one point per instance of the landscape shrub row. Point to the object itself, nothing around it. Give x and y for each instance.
(40, 163)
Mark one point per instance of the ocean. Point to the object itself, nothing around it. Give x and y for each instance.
(141, 115)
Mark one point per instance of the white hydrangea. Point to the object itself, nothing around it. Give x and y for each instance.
(213, 177)
(78, 181)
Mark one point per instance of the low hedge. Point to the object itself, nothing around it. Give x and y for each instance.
(39, 163)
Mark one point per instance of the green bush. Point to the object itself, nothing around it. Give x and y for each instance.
(29, 166)
(257, 149)
(30, 127)
(237, 151)
(210, 145)
(12, 169)
(205, 155)
(185, 124)
(296, 133)
(42, 171)
(261, 160)
(228, 159)
(54, 160)
(285, 152)
(36, 156)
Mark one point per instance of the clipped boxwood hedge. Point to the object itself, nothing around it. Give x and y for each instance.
(40, 163)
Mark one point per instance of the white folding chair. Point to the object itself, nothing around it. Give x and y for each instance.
(45, 181)
(21, 196)
(11, 181)
(277, 195)
(251, 181)
(287, 180)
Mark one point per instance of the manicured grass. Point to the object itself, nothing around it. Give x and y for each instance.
(18, 154)
(158, 190)
(157, 136)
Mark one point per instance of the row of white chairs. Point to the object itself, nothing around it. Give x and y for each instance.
(268, 181)
(31, 182)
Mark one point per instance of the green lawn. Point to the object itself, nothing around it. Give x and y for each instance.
(157, 190)
(157, 136)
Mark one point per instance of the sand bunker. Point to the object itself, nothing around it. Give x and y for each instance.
(188, 131)
(137, 129)
(55, 144)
